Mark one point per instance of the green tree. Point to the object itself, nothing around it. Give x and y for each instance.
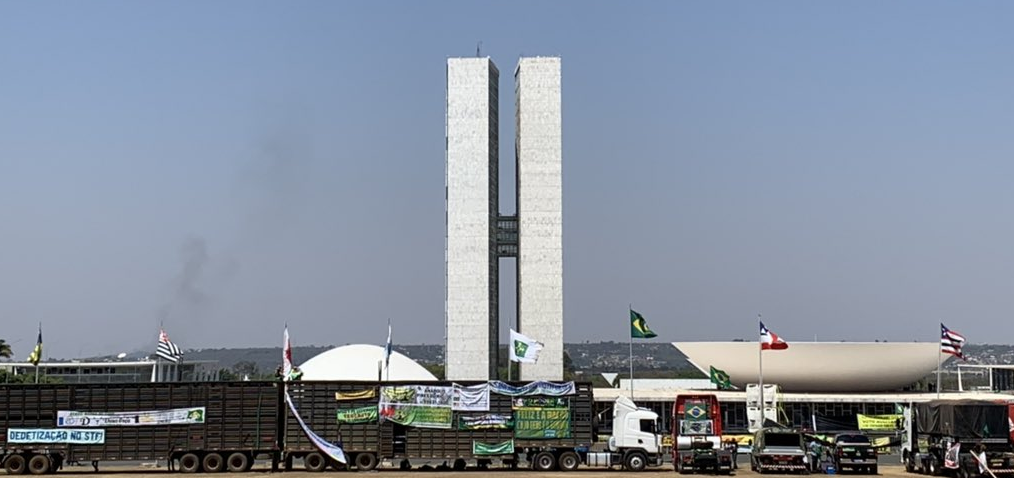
(5, 349)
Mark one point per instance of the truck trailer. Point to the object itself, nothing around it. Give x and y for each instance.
(467, 423)
(940, 436)
(209, 426)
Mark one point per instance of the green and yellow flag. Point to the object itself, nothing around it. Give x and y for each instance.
(36, 354)
(720, 378)
(639, 328)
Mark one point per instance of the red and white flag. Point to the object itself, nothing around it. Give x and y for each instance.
(951, 457)
(770, 341)
(286, 354)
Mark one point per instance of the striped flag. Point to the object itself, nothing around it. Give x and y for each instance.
(951, 342)
(167, 349)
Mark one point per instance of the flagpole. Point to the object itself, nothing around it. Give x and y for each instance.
(940, 352)
(387, 358)
(760, 373)
(630, 308)
(38, 359)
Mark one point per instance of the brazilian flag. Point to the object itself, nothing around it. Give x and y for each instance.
(639, 328)
(720, 378)
(36, 354)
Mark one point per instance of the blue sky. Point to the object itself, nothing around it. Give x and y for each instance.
(226, 167)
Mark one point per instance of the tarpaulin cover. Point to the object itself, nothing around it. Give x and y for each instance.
(835, 423)
(967, 419)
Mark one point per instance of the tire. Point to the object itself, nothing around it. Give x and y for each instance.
(873, 470)
(931, 467)
(237, 462)
(366, 461)
(15, 464)
(635, 461)
(39, 464)
(190, 463)
(213, 463)
(568, 461)
(314, 462)
(544, 461)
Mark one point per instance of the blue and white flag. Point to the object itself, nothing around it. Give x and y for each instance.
(387, 353)
(330, 449)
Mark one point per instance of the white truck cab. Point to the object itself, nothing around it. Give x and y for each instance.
(634, 428)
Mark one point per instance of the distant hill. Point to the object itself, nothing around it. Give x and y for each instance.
(657, 359)
(587, 357)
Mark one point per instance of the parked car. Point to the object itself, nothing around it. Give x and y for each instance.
(853, 451)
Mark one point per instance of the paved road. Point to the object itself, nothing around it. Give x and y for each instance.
(125, 472)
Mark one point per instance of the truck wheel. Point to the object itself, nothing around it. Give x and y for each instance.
(635, 461)
(213, 463)
(237, 462)
(873, 470)
(931, 468)
(366, 461)
(38, 465)
(569, 461)
(314, 462)
(15, 464)
(544, 461)
(190, 463)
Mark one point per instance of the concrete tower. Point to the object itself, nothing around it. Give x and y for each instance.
(471, 194)
(477, 235)
(539, 148)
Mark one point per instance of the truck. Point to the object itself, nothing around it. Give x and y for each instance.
(402, 423)
(209, 426)
(778, 449)
(940, 435)
(697, 435)
(225, 426)
(853, 451)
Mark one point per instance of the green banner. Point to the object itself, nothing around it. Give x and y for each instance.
(358, 415)
(505, 448)
(879, 422)
(542, 423)
(540, 402)
(418, 416)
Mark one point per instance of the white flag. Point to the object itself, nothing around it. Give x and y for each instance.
(524, 349)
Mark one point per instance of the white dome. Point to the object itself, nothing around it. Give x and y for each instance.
(820, 366)
(359, 362)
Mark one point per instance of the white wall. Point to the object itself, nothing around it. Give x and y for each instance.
(471, 155)
(539, 145)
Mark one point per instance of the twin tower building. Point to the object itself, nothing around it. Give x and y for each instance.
(478, 235)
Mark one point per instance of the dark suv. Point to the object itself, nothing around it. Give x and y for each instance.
(853, 451)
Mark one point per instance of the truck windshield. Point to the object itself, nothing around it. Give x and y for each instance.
(858, 439)
(781, 439)
(648, 426)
